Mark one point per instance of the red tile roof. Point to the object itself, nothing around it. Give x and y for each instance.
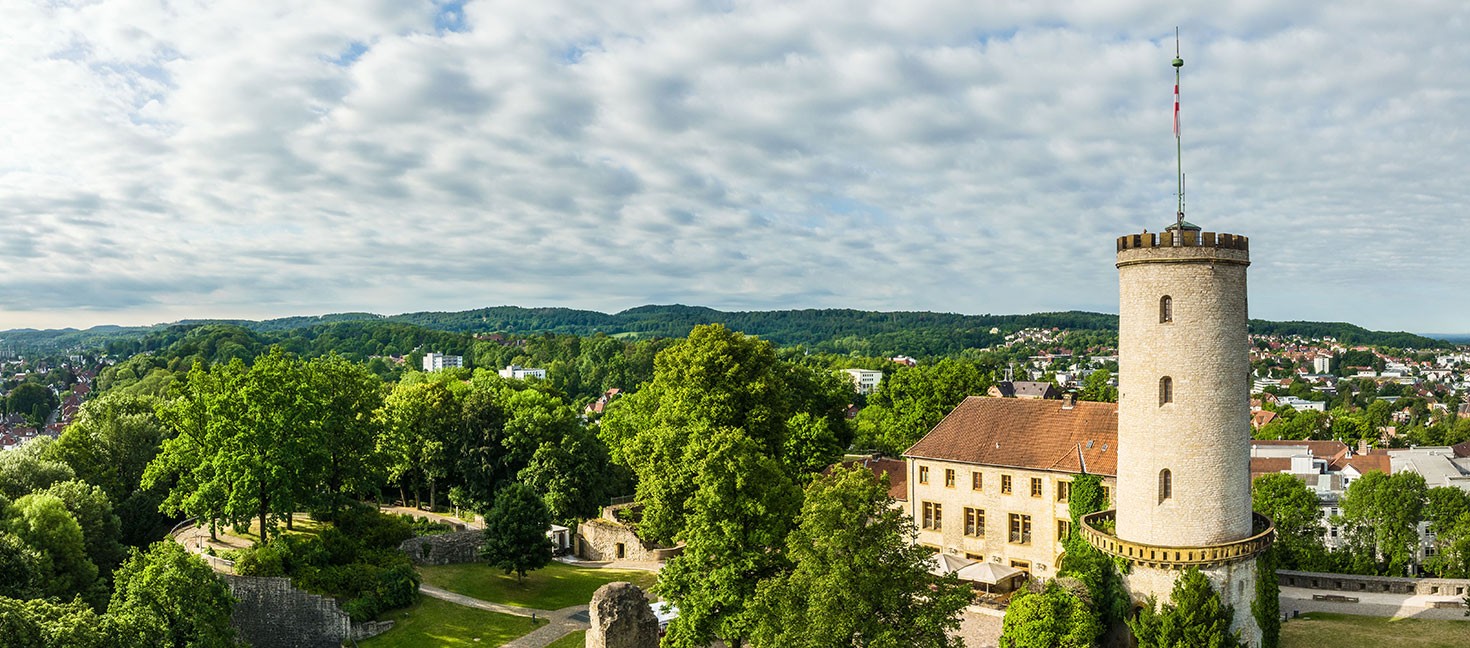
(1370, 462)
(896, 469)
(1035, 434)
(1332, 451)
(1267, 465)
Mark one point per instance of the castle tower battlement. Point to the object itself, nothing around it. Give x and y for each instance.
(1184, 390)
(1183, 498)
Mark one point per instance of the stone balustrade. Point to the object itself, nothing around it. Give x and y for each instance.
(1161, 557)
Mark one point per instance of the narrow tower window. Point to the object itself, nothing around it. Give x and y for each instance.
(1166, 390)
(1166, 309)
(1166, 485)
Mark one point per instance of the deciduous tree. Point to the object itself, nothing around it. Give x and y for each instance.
(168, 597)
(716, 379)
(1388, 509)
(420, 421)
(30, 468)
(1054, 617)
(851, 540)
(515, 531)
(1297, 515)
(739, 516)
(43, 523)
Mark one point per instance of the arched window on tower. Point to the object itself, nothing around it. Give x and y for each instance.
(1166, 485)
(1166, 309)
(1166, 390)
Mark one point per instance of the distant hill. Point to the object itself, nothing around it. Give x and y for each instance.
(1454, 338)
(836, 330)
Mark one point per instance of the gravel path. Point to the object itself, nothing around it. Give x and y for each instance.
(562, 622)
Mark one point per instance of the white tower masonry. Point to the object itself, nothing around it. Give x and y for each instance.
(1184, 495)
(1184, 390)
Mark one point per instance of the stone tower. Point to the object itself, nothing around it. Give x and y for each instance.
(1183, 495)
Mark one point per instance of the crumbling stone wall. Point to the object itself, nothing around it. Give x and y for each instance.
(621, 618)
(598, 539)
(445, 549)
(271, 613)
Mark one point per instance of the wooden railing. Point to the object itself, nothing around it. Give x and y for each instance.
(1264, 533)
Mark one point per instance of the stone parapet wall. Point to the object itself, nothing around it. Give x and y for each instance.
(1349, 583)
(271, 613)
(444, 549)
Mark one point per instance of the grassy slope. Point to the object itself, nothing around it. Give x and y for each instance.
(1317, 629)
(577, 639)
(556, 586)
(432, 622)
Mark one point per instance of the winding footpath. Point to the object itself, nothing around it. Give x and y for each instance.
(561, 622)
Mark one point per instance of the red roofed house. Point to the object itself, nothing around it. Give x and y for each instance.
(991, 482)
(895, 469)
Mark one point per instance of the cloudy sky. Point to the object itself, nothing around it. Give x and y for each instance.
(163, 160)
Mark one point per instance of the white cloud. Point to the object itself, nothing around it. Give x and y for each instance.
(167, 160)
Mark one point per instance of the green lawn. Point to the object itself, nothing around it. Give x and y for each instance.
(556, 586)
(577, 639)
(1316, 629)
(432, 622)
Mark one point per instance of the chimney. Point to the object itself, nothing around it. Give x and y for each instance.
(1069, 400)
(1362, 446)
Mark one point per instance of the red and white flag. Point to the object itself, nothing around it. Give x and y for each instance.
(1176, 110)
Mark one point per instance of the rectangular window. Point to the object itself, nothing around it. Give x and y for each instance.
(1005, 484)
(1064, 491)
(1036, 487)
(974, 522)
(949, 478)
(923, 474)
(1107, 497)
(1064, 529)
(977, 480)
(1020, 529)
(1023, 565)
(933, 517)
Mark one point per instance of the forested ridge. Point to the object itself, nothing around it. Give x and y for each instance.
(915, 333)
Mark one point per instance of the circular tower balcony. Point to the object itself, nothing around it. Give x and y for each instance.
(1097, 529)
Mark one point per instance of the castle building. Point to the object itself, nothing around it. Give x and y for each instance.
(1183, 497)
(992, 481)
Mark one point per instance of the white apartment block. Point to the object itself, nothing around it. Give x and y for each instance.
(439, 361)
(522, 373)
(864, 381)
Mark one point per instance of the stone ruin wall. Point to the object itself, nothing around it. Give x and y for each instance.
(271, 613)
(444, 549)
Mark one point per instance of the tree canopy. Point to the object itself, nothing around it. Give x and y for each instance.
(851, 540)
(515, 531)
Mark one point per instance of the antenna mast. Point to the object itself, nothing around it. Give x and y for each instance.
(1178, 143)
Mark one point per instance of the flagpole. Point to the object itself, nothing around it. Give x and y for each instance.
(1178, 142)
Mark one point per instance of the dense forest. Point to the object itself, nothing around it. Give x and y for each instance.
(919, 334)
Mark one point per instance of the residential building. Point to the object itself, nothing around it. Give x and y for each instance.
(439, 361)
(1301, 405)
(1023, 389)
(992, 481)
(864, 381)
(522, 373)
